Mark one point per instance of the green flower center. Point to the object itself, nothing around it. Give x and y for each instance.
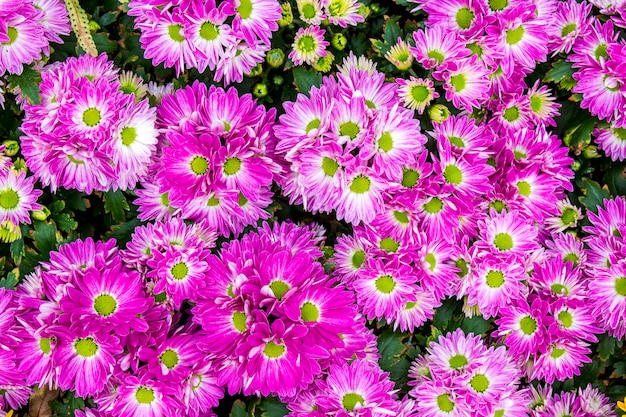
(433, 206)
(232, 166)
(456, 141)
(274, 350)
(475, 48)
(401, 216)
(92, 117)
(44, 345)
(462, 265)
(524, 188)
(199, 165)
(567, 29)
(239, 321)
(420, 93)
(313, 124)
(385, 284)
(209, 31)
(360, 184)
(431, 260)
(9, 199)
(536, 103)
(85, 347)
(444, 403)
(279, 288)
(175, 32)
(385, 142)
(559, 289)
(519, 154)
(242, 200)
(497, 5)
(329, 166)
(129, 134)
(498, 205)
(514, 36)
(528, 325)
(453, 174)
(213, 201)
(498, 413)
(389, 244)
(601, 52)
(306, 44)
(620, 286)
(410, 178)
(480, 383)
(350, 400)
(336, 8)
(495, 279)
(179, 271)
(12, 34)
(464, 18)
(557, 353)
(511, 114)
(619, 132)
(358, 258)
(309, 312)
(105, 305)
(572, 257)
(436, 55)
(169, 358)
(349, 129)
(245, 8)
(144, 395)
(569, 216)
(308, 11)
(457, 361)
(503, 241)
(566, 319)
(458, 82)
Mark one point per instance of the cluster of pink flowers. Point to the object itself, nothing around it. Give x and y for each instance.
(229, 38)
(346, 143)
(588, 402)
(460, 376)
(215, 159)
(87, 133)
(18, 194)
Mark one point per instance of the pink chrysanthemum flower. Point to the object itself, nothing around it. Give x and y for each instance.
(208, 32)
(571, 22)
(239, 59)
(436, 46)
(358, 389)
(523, 328)
(542, 104)
(173, 359)
(562, 360)
(310, 11)
(22, 38)
(612, 141)
(461, 16)
(464, 136)
(342, 12)
(507, 233)
(55, 21)
(255, 18)
(455, 353)
(593, 402)
(416, 93)
(17, 197)
(466, 83)
(308, 45)
(610, 218)
(144, 396)
(415, 313)
(600, 87)
(608, 292)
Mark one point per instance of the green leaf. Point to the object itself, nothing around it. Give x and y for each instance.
(10, 281)
(116, 204)
(580, 134)
(239, 409)
(17, 250)
(615, 179)
(65, 222)
(559, 71)
(56, 206)
(391, 348)
(45, 237)
(619, 368)
(305, 79)
(477, 325)
(443, 314)
(273, 407)
(103, 43)
(123, 232)
(28, 82)
(606, 346)
(593, 195)
(392, 32)
(108, 18)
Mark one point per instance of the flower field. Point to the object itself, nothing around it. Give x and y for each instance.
(263, 208)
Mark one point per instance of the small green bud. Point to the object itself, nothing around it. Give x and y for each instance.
(259, 90)
(278, 79)
(256, 70)
(41, 214)
(93, 25)
(591, 152)
(375, 8)
(12, 147)
(339, 41)
(576, 165)
(286, 16)
(438, 113)
(364, 11)
(325, 63)
(275, 58)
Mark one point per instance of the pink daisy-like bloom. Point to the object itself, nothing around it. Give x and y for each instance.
(575, 322)
(562, 360)
(436, 46)
(55, 21)
(507, 233)
(415, 313)
(17, 197)
(342, 12)
(416, 93)
(255, 18)
(512, 112)
(601, 90)
(35, 353)
(466, 176)
(537, 192)
(239, 59)
(555, 280)
(466, 83)
(608, 292)
(144, 396)
(609, 219)
(308, 45)
(570, 22)
(357, 389)
(362, 199)
(23, 38)
(208, 32)
(612, 141)
(543, 107)
(522, 38)
(173, 359)
(438, 399)
(461, 16)
(201, 391)
(85, 360)
(593, 48)
(523, 328)
(593, 402)
(455, 354)
(464, 136)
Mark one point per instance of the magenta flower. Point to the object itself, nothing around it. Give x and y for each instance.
(17, 197)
